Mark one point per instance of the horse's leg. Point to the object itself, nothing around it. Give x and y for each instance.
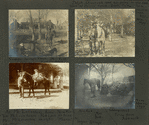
(33, 90)
(29, 90)
(101, 51)
(91, 49)
(48, 84)
(104, 47)
(95, 45)
(22, 91)
(45, 89)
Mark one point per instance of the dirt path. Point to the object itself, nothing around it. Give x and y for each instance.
(53, 101)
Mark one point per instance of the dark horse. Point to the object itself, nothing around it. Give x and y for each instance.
(46, 82)
(92, 83)
(27, 81)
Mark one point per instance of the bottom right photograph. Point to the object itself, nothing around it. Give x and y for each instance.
(104, 85)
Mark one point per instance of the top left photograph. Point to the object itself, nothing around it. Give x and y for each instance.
(38, 33)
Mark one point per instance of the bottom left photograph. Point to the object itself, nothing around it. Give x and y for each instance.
(38, 85)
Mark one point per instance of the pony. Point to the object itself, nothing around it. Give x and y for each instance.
(92, 83)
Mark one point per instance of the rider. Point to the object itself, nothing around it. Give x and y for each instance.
(35, 77)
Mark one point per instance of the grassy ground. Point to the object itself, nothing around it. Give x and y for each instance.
(60, 42)
(84, 100)
(118, 47)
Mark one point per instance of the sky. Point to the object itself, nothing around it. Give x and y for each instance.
(123, 71)
(54, 14)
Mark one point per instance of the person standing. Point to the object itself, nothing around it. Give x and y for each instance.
(91, 40)
(20, 83)
(95, 38)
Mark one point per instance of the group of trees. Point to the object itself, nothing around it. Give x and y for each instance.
(104, 69)
(108, 19)
(41, 15)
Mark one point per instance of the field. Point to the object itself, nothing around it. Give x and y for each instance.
(84, 100)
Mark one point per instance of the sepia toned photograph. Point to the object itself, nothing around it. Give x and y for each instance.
(38, 33)
(104, 32)
(38, 85)
(104, 85)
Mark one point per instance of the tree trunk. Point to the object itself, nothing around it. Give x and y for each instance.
(101, 84)
(39, 26)
(122, 31)
(33, 36)
(39, 35)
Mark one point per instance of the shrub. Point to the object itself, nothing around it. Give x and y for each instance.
(121, 89)
(104, 89)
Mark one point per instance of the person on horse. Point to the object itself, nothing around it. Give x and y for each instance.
(35, 77)
(20, 83)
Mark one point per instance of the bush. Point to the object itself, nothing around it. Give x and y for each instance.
(121, 89)
(104, 89)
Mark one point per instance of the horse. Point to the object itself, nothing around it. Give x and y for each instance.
(40, 79)
(97, 36)
(92, 83)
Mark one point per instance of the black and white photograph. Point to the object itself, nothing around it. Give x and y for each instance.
(38, 33)
(104, 32)
(38, 85)
(104, 85)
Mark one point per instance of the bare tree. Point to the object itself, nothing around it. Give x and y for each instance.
(131, 65)
(39, 25)
(114, 70)
(31, 25)
(103, 69)
(110, 17)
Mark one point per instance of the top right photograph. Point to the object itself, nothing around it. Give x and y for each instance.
(104, 33)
